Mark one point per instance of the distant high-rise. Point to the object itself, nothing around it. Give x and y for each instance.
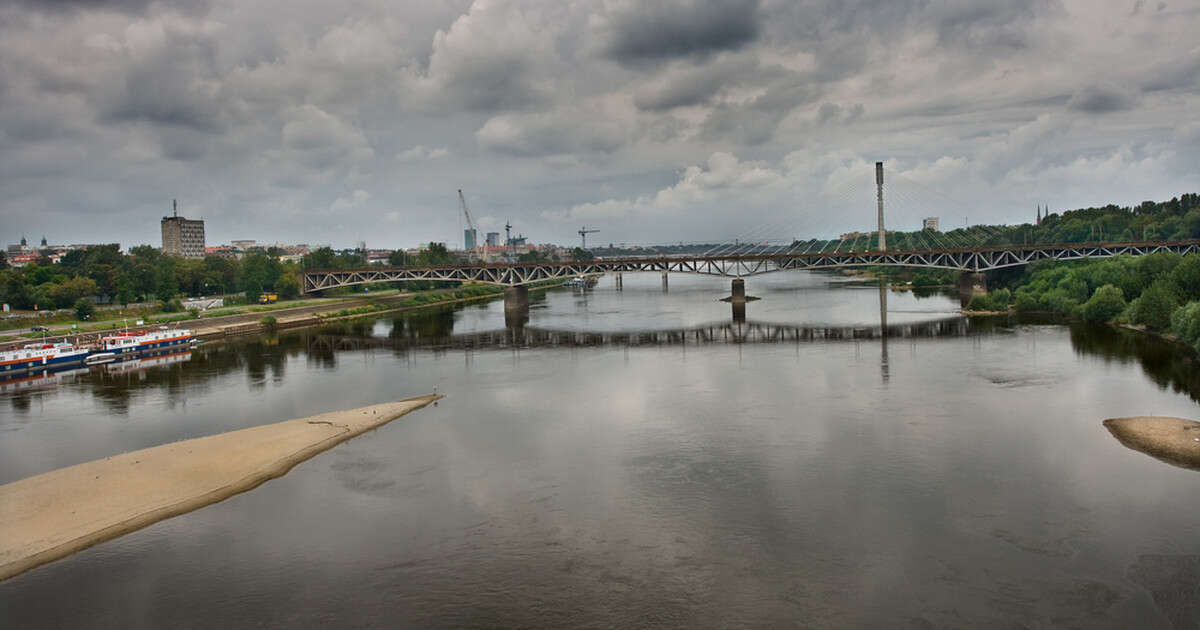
(469, 239)
(182, 237)
(930, 223)
(493, 239)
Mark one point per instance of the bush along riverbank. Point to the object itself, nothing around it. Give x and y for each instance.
(1159, 293)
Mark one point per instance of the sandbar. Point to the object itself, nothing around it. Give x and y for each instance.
(1173, 440)
(52, 515)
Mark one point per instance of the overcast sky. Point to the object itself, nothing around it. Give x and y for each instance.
(333, 122)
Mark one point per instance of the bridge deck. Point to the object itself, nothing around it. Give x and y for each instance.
(738, 265)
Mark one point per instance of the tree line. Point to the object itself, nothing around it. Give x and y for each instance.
(1160, 291)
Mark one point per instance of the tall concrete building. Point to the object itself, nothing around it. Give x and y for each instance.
(493, 239)
(470, 239)
(182, 237)
(930, 223)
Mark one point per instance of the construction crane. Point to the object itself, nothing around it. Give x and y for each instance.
(583, 232)
(471, 226)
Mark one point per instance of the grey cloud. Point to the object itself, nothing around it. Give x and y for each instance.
(987, 24)
(291, 105)
(166, 87)
(1182, 73)
(656, 31)
(755, 122)
(964, 23)
(553, 133)
(693, 85)
(128, 7)
(1101, 99)
(832, 113)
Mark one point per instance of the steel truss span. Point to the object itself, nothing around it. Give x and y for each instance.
(964, 259)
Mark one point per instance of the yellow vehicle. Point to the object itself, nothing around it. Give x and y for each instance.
(268, 298)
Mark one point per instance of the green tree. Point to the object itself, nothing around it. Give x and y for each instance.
(66, 293)
(125, 291)
(166, 286)
(398, 258)
(1186, 276)
(1106, 303)
(434, 255)
(14, 290)
(288, 286)
(259, 272)
(581, 254)
(84, 309)
(1185, 322)
(220, 275)
(1155, 306)
(321, 258)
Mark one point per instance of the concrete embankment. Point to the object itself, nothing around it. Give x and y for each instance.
(1172, 440)
(52, 515)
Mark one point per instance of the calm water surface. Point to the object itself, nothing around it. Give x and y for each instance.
(637, 459)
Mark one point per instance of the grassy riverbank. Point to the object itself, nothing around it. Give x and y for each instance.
(1159, 293)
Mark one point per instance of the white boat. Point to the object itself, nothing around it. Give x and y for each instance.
(580, 282)
(40, 356)
(97, 358)
(137, 342)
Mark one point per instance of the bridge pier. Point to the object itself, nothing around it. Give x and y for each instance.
(737, 299)
(970, 284)
(739, 311)
(619, 282)
(737, 291)
(516, 306)
(664, 274)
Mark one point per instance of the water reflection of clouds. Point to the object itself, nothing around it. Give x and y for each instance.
(717, 485)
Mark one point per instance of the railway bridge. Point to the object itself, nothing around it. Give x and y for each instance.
(744, 262)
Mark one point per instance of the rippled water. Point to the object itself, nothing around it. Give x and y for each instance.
(637, 458)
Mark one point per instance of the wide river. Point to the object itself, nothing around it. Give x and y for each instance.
(636, 458)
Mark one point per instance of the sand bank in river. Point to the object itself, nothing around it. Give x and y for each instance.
(55, 514)
(1172, 440)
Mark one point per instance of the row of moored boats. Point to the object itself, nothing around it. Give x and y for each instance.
(111, 348)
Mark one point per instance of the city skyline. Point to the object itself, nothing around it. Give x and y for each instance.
(680, 121)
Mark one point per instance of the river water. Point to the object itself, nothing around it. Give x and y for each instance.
(636, 458)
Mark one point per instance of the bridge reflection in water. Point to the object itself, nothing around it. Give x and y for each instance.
(738, 330)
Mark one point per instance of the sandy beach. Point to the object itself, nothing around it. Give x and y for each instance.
(55, 514)
(1172, 440)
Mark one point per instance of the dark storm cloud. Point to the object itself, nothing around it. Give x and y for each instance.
(1182, 73)
(974, 23)
(755, 122)
(1101, 99)
(696, 85)
(987, 24)
(656, 31)
(128, 7)
(167, 88)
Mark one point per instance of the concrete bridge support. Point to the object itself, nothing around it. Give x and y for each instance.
(516, 306)
(970, 284)
(737, 291)
(664, 282)
(619, 281)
